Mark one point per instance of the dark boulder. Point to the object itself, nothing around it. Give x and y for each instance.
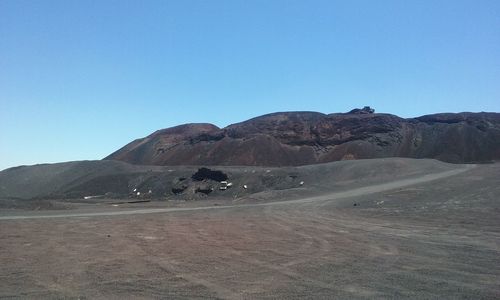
(207, 174)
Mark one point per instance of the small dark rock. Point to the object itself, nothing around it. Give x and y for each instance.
(204, 190)
(178, 190)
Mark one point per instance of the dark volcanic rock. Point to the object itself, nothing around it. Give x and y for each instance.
(299, 138)
(207, 174)
(364, 110)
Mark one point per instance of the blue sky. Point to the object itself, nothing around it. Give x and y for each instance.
(79, 79)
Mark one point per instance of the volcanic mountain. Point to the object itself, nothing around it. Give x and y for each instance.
(300, 138)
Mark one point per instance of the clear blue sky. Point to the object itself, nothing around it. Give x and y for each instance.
(79, 79)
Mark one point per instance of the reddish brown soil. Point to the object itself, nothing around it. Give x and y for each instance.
(439, 239)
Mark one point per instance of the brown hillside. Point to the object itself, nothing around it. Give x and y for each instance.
(300, 138)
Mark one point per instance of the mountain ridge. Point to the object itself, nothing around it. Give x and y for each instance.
(305, 137)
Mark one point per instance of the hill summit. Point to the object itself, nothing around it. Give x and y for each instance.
(300, 138)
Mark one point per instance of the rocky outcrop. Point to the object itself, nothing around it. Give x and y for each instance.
(299, 138)
(364, 110)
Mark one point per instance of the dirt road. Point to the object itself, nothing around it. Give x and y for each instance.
(432, 237)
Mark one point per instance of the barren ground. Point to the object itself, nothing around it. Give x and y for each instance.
(425, 237)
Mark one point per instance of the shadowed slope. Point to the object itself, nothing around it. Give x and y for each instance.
(73, 180)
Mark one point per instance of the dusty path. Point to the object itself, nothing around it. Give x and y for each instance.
(332, 196)
(430, 237)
